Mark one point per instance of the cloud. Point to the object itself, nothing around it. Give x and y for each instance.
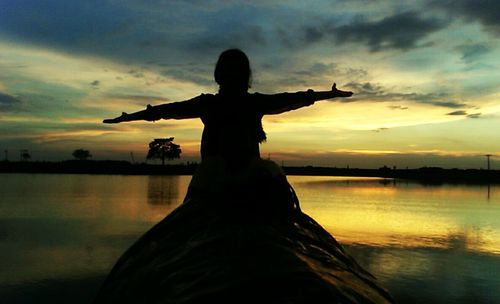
(240, 36)
(380, 130)
(475, 115)
(293, 75)
(6, 99)
(483, 11)
(472, 52)
(141, 99)
(136, 74)
(175, 32)
(199, 75)
(398, 107)
(313, 34)
(464, 113)
(401, 31)
(370, 91)
(95, 83)
(457, 113)
(439, 103)
(107, 29)
(8, 102)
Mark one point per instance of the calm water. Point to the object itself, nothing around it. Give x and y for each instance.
(61, 234)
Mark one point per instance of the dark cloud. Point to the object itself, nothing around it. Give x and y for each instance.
(301, 75)
(464, 113)
(457, 113)
(201, 75)
(475, 115)
(135, 32)
(117, 30)
(312, 34)
(472, 52)
(439, 103)
(95, 83)
(371, 91)
(9, 103)
(401, 31)
(365, 89)
(7, 100)
(487, 12)
(208, 44)
(318, 69)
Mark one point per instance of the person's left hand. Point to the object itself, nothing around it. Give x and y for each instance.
(339, 93)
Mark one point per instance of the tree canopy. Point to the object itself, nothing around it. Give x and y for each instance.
(164, 148)
(25, 155)
(81, 154)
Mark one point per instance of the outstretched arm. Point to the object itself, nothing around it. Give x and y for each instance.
(334, 93)
(282, 102)
(176, 110)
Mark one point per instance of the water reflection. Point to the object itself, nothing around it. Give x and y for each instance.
(383, 212)
(438, 243)
(425, 243)
(430, 275)
(163, 190)
(70, 226)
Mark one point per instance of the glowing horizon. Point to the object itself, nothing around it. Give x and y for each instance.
(426, 89)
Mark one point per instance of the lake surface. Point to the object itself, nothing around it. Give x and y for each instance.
(61, 234)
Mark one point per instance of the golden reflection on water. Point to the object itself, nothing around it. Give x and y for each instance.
(382, 212)
(54, 226)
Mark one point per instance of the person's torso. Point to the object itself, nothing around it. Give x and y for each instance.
(232, 127)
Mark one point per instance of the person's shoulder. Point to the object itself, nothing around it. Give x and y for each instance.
(260, 98)
(204, 97)
(257, 97)
(256, 94)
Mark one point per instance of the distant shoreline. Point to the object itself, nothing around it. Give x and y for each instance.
(430, 175)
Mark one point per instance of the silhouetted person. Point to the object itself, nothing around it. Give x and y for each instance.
(232, 118)
(239, 236)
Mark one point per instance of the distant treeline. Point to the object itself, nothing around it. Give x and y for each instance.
(430, 175)
(96, 167)
(426, 175)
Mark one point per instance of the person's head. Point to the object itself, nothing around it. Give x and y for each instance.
(232, 71)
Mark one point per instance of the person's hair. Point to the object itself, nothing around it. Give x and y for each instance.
(232, 70)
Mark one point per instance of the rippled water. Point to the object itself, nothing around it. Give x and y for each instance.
(61, 234)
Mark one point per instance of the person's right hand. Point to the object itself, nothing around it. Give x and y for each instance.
(118, 119)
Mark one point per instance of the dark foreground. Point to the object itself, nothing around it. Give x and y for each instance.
(240, 252)
(404, 290)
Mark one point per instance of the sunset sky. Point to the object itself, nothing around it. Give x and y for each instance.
(425, 74)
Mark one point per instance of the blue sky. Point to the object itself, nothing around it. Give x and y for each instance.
(425, 76)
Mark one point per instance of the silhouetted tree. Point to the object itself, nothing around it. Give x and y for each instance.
(81, 154)
(164, 148)
(25, 155)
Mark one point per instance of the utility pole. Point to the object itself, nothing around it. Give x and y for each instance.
(132, 157)
(6, 155)
(488, 160)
